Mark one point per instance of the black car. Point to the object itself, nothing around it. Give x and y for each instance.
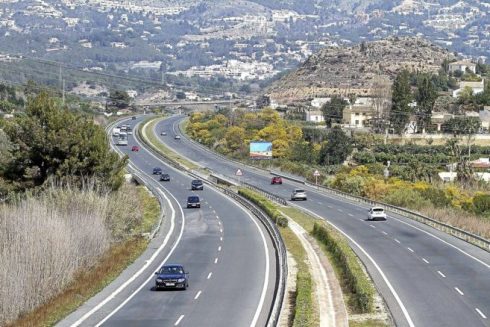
(193, 202)
(157, 171)
(197, 184)
(172, 276)
(133, 118)
(165, 177)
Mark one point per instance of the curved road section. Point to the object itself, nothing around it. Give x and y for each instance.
(227, 252)
(428, 278)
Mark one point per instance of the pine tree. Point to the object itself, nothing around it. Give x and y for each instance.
(426, 97)
(402, 97)
(333, 110)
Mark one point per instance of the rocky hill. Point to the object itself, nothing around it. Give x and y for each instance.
(344, 70)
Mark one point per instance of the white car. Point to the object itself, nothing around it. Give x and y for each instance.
(177, 137)
(377, 213)
(298, 194)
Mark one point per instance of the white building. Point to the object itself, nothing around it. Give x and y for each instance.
(319, 102)
(462, 66)
(477, 87)
(315, 116)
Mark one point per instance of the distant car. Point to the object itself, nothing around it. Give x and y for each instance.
(133, 118)
(197, 185)
(298, 194)
(377, 213)
(177, 137)
(193, 201)
(172, 276)
(165, 177)
(163, 133)
(135, 148)
(157, 171)
(276, 180)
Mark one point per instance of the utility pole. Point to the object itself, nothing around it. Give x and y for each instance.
(60, 78)
(63, 92)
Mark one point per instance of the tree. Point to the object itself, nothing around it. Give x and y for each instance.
(381, 93)
(118, 100)
(333, 110)
(402, 97)
(337, 148)
(426, 97)
(459, 126)
(51, 141)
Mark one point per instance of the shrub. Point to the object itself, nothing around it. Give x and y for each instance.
(356, 280)
(436, 196)
(481, 204)
(265, 205)
(407, 198)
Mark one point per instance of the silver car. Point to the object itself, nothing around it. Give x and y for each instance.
(298, 194)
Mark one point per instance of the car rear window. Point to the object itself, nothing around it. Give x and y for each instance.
(193, 199)
(378, 209)
(197, 182)
(299, 191)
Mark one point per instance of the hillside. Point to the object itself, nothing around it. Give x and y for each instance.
(343, 70)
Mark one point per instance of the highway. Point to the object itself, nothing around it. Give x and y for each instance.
(226, 250)
(426, 277)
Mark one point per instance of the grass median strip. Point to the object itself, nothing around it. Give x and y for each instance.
(357, 287)
(146, 132)
(305, 311)
(89, 282)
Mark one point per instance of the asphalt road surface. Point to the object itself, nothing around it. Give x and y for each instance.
(427, 277)
(227, 252)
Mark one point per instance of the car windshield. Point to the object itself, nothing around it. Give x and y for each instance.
(378, 210)
(171, 270)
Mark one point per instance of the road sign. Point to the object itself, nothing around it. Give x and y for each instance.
(316, 173)
(239, 172)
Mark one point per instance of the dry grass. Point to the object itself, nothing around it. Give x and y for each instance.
(461, 219)
(46, 242)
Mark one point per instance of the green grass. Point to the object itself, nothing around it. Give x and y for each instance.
(305, 314)
(368, 323)
(89, 282)
(146, 132)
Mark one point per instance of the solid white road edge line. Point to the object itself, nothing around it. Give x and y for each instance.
(139, 272)
(152, 259)
(395, 294)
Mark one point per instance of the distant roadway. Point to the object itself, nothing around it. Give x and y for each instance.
(227, 252)
(427, 277)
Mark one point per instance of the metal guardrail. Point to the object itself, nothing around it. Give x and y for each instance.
(135, 174)
(267, 194)
(474, 239)
(281, 254)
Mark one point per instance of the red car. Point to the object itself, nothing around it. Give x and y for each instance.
(276, 180)
(135, 148)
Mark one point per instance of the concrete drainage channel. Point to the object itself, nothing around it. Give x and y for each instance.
(280, 248)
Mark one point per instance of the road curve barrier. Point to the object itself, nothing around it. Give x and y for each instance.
(469, 237)
(270, 226)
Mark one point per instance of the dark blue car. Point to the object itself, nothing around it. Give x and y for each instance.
(172, 276)
(157, 171)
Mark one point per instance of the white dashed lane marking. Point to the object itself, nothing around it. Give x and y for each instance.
(219, 248)
(459, 291)
(197, 295)
(481, 313)
(209, 275)
(409, 249)
(179, 320)
(397, 241)
(442, 275)
(425, 260)
(216, 260)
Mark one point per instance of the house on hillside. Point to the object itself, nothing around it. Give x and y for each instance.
(315, 116)
(358, 116)
(477, 87)
(462, 66)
